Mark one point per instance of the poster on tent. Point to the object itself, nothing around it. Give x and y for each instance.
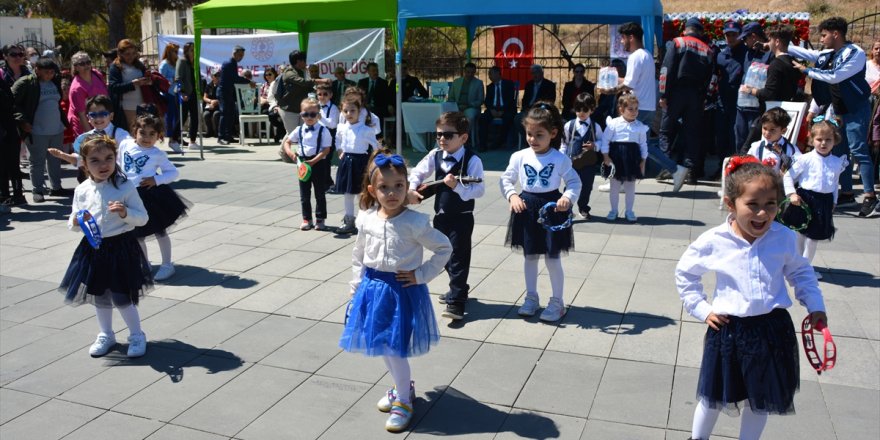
(352, 50)
(617, 50)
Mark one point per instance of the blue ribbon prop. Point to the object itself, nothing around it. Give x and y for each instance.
(542, 218)
(90, 228)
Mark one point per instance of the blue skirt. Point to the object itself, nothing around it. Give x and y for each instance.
(754, 359)
(164, 207)
(116, 274)
(627, 161)
(386, 318)
(821, 226)
(526, 234)
(350, 173)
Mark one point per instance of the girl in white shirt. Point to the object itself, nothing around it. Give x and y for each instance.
(355, 141)
(540, 170)
(390, 314)
(625, 145)
(750, 353)
(812, 180)
(150, 170)
(108, 269)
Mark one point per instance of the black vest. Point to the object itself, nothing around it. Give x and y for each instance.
(447, 199)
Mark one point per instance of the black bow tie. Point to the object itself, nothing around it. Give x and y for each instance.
(99, 132)
(582, 122)
(308, 128)
(325, 106)
(450, 158)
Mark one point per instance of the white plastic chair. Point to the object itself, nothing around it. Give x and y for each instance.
(249, 111)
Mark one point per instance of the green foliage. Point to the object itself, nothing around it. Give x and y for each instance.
(818, 7)
(434, 53)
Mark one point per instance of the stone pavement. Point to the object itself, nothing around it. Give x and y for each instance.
(243, 339)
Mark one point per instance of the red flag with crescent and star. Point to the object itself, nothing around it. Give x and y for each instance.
(514, 52)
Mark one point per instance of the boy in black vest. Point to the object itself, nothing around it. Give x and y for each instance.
(454, 202)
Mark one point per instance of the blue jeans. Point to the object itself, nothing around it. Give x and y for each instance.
(654, 152)
(744, 119)
(855, 131)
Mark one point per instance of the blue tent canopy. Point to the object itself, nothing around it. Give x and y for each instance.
(471, 14)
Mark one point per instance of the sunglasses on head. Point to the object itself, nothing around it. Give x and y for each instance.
(83, 63)
(309, 114)
(446, 134)
(100, 114)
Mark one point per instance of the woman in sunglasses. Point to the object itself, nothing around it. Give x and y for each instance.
(87, 82)
(268, 105)
(15, 67)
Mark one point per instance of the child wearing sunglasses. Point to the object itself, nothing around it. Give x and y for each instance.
(454, 204)
(310, 143)
(99, 110)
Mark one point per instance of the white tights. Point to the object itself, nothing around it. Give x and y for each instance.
(164, 242)
(554, 269)
(807, 247)
(349, 200)
(400, 373)
(129, 314)
(750, 428)
(614, 194)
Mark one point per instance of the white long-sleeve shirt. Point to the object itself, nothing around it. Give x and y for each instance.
(396, 244)
(792, 151)
(621, 130)
(849, 63)
(138, 163)
(329, 115)
(96, 196)
(540, 173)
(749, 278)
(425, 171)
(308, 145)
(355, 138)
(568, 133)
(815, 172)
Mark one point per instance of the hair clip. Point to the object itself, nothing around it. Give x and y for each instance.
(382, 160)
(738, 161)
(543, 106)
(821, 118)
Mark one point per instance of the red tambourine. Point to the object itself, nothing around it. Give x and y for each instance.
(819, 364)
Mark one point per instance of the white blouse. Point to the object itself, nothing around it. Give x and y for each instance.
(96, 196)
(749, 278)
(396, 244)
(568, 134)
(138, 163)
(791, 150)
(816, 173)
(540, 173)
(308, 145)
(329, 115)
(621, 130)
(355, 138)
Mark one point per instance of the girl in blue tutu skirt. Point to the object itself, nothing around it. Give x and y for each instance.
(108, 269)
(390, 314)
(750, 352)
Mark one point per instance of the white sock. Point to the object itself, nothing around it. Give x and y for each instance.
(530, 269)
(614, 193)
(400, 372)
(143, 242)
(752, 424)
(132, 319)
(557, 276)
(349, 204)
(630, 188)
(105, 320)
(704, 421)
(164, 247)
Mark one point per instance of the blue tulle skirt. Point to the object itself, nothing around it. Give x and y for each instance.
(116, 274)
(386, 318)
(754, 359)
(350, 173)
(526, 234)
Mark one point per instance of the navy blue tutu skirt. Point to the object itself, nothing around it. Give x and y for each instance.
(821, 226)
(350, 173)
(526, 234)
(115, 274)
(386, 318)
(755, 359)
(627, 159)
(164, 206)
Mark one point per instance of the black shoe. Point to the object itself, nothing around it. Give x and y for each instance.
(61, 192)
(14, 201)
(332, 190)
(692, 180)
(869, 206)
(39, 198)
(442, 298)
(846, 200)
(454, 311)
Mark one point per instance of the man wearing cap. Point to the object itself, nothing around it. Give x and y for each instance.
(340, 84)
(753, 39)
(731, 67)
(226, 92)
(684, 78)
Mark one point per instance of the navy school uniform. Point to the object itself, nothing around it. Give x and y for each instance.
(575, 133)
(356, 141)
(310, 141)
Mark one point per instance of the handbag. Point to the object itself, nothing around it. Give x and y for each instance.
(585, 158)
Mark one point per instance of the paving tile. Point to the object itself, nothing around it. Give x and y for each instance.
(318, 302)
(65, 417)
(646, 339)
(176, 318)
(473, 418)
(22, 334)
(249, 260)
(534, 424)
(218, 327)
(363, 421)
(15, 403)
(23, 291)
(115, 426)
(599, 293)
(501, 285)
(481, 318)
(684, 402)
(233, 289)
(861, 367)
(442, 364)
(586, 331)
(40, 353)
(569, 394)
(241, 401)
(309, 351)
(33, 307)
(810, 420)
(602, 429)
(634, 393)
(487, 383)
(276, 295)
(63, 374)
(853, 411)
(172, 432)
(259, 340)
(515, 330)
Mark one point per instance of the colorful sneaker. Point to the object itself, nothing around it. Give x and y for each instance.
(612, 216)
(530, 305)
(554, 311)
(306, 225)
(390, 397)
(401, 415)
(137, 345)
(102, 345)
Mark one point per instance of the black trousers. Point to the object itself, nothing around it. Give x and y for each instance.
(318, 181)
(10, 174)
(485, 119)
(588, 176)
(459, 228)
(685, 103)
(228, 117)
(191, 113)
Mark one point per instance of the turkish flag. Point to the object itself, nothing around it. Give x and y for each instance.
(514, 52)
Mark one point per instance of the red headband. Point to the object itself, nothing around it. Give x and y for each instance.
(738, 161)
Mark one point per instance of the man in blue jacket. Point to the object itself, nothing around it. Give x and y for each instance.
(226, 91)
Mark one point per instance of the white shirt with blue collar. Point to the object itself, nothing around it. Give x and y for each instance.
(425, 171)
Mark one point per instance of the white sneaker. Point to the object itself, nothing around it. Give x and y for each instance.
(679, 177)
(102, 345)
(165, 271)
(384, 404)
(137, 345)
(530, 305)
(194, 146)
(605, 187)
(175, 147)
(554, 311)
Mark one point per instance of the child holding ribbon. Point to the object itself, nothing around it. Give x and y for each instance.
(108, 268)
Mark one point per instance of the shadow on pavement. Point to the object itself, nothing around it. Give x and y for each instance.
(851, 278)
(194, 184)
(37, 212)
(198, 276)
(171, 357)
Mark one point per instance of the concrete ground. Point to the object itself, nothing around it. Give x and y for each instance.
(243, 339)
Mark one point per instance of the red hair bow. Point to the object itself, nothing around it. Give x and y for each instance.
(769, 162)
(738, 161)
